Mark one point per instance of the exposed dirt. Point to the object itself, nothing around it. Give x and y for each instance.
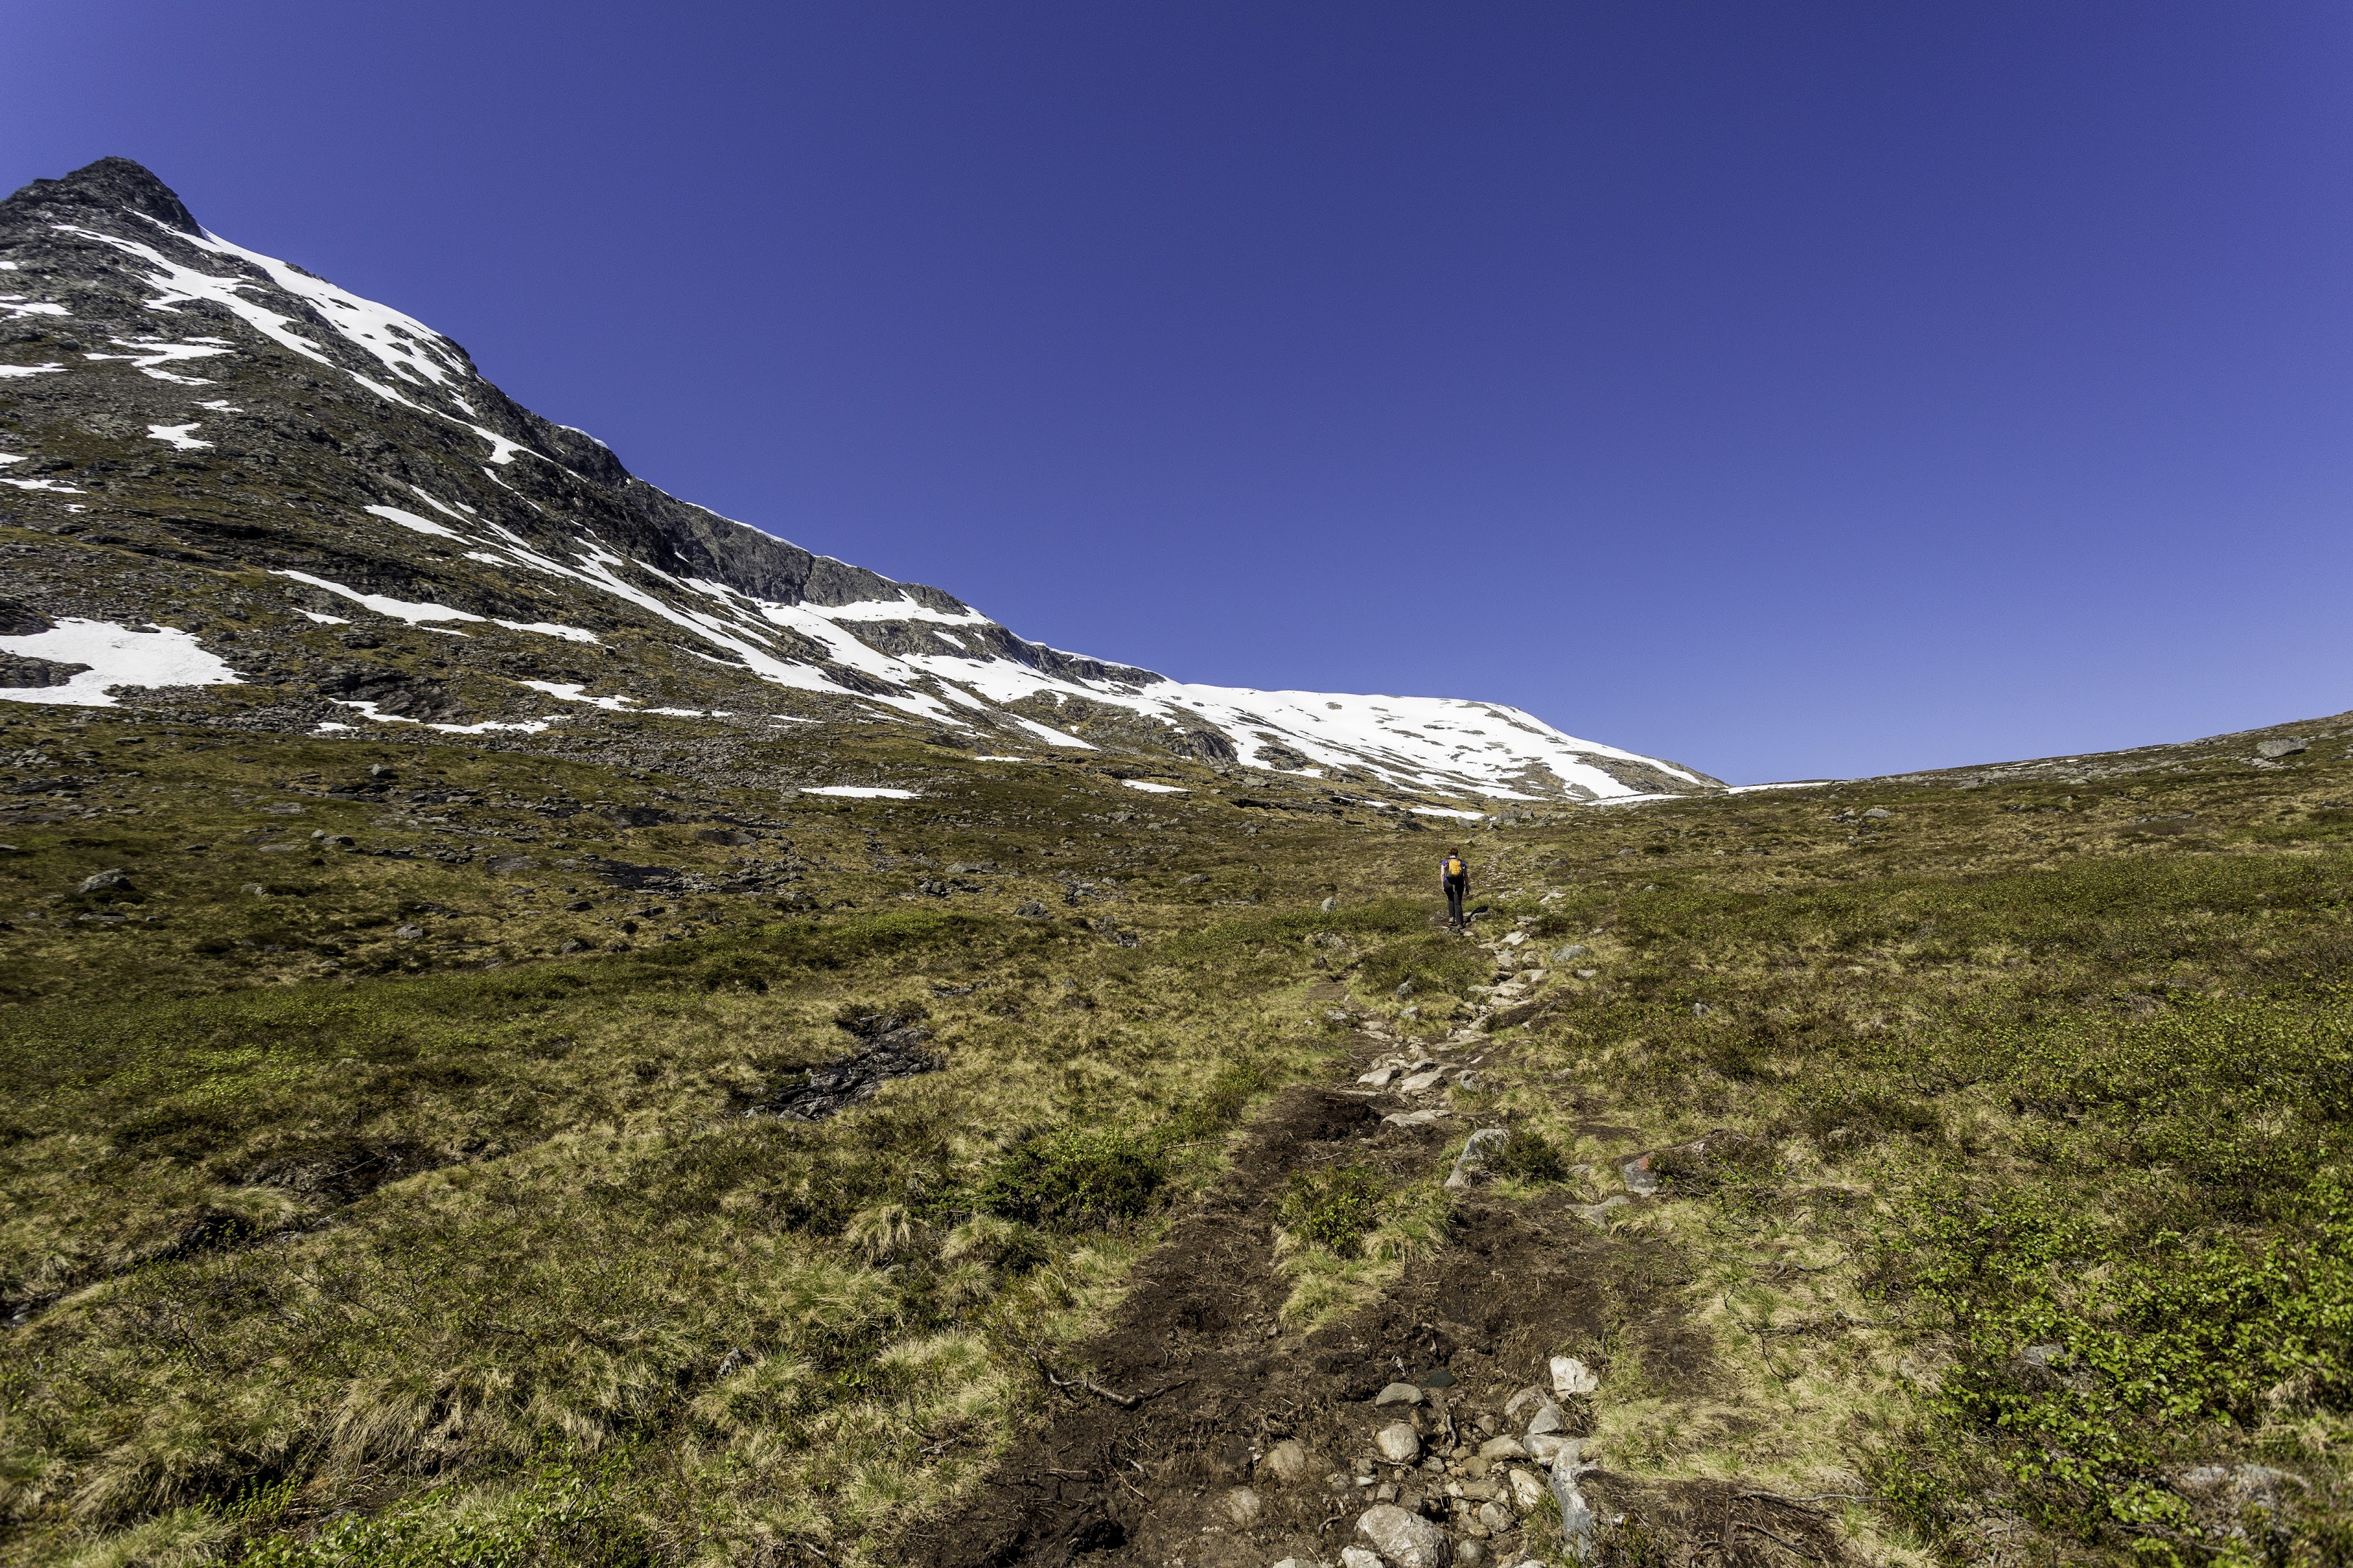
(1215, 1386)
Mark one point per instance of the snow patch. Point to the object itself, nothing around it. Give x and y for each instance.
(1151, 788)
(13, 370)
(549, 629)
(17, 307)
(325, 620)
(398, 609)
(117, 655)
(50, 484)
(414, 524)
(177, 435)
(488, 726)
(147, 354)
(862, 792)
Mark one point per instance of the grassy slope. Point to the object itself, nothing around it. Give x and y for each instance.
(306, 1217)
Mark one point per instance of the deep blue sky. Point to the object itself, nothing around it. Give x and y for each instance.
(1785, 388)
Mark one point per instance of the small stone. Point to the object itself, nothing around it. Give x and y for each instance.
(1496, 1517)
(1563, 954)
(1399, 1394)
(1503, 1447)
(2042, 1355)
(1328, 905)
(1334, 1015)
(1531, 1395)
(1879, 814)
(1598, 1214)
(1572, 1379)
(1400, 1444)
(1527, 1490)
(1470, 1553)
(408, 933)
(1421, 1081)
(1551, 1448)
(1386, 1492)
(1030, 909)
(1547, 1419)
(114, 881)
(1587, 973)
(1404, 989)
(1483, 1146)
(1288, 1460)
(1406, 1539)
(1242, 1506)
(1378, 1077)
(1355, 1557)
(1412, 1118)
(1640, 1179)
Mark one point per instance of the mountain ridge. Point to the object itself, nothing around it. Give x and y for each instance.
(387, 445)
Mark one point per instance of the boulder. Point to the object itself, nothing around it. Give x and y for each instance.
(1405, 1540)
(1547, 1421)
(1550, 1449)
(1398, 1443)
(102, 883)
(2285, 746)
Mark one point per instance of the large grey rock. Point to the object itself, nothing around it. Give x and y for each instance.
(1550, 1449)
(1576, 1515)
(1421, 1081)
(112, 881)
(1528, 1489)
(1483, 1146)
(1533, 1395)
(1503, 1447)
(1547, 1421)
(1405, 1540)
(2285, 746)
(1640, 1179)
(1399, 1394)
(1400, 1444)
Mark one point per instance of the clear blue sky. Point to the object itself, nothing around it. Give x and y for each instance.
(1788, 389)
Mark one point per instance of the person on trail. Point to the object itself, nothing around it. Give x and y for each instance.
(1455, 877)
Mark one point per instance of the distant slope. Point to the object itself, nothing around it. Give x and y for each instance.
(208, 415)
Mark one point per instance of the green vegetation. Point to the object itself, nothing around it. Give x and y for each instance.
(2002, 1144)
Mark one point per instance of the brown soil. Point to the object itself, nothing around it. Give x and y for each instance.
(1215, 1385)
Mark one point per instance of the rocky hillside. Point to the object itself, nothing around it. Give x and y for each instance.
(238, 492)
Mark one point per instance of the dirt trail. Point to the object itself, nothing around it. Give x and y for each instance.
(1171, 1458)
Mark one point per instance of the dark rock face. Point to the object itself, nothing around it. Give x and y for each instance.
(222, 443)
(16, 670)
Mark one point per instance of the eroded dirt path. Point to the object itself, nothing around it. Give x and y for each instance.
(1214, 1438)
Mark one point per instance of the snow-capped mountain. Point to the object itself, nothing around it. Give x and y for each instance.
(222, 470)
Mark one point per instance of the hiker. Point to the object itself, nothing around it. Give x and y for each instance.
(1455, 877)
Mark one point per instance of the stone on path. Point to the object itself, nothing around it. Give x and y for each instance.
(1399, 1394)
(1576, 1515)
(1288, 1460)
(1350, 1557)
(1483, 1146)
(1572, 1379)
(1407, 1540)
(1400, 1444)
(1640, 1179)
(1242, 1506)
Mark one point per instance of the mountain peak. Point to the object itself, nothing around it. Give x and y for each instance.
(111, 185)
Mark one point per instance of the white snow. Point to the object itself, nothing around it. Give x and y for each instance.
(148, 353)
(51, 485)
(325, 620)
(118, 656)
(52, 368)
(399, 609)
(1148, 785)
(1050, 736)
(899, 609)
(1792, 783)
(549, 629)
(578, 694)
(413, 522)
(488, 726)
(223, 405)
(862, 792)
(18, 307)
(177, 435)
(1442, 811)
(986, 759)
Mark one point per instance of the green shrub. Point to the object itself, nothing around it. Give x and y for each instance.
(1530, 1156)
(1334, 1208)
(1075, 1177)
